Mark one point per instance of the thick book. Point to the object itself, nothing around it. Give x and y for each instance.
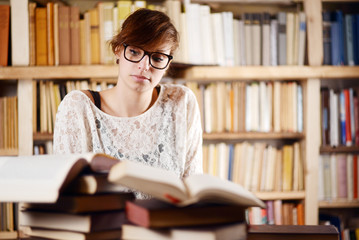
(41, 178)
(84, 203)
(166, 185)
(71, 235)
(86, 223)
(236, 231)
(293, 232)
(154, 213)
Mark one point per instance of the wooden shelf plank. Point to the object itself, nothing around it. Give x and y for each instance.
(42, 136)
(339, 204)
(339, 149)
(252, 135)
(293, 195)
(247, 1)
(9, 152)
(8, 235)
(205, 73)
(265, 73)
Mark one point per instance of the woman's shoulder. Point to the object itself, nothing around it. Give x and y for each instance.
(75, 99)
(177, 91)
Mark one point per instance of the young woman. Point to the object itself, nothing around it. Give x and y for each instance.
(139, 119)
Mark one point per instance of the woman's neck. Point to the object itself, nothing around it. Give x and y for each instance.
(123, 103)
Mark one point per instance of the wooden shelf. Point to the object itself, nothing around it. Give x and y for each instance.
(266, 73)
(247, 1)
(339, 149)
(205, 73)
(293, 195)
(252, 136)
(8, 235)
(42, 136)
(339, 204)
(9, 152)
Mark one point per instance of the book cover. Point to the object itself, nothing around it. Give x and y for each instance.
(154, 213)
(282, 38)
(20, 49)
(64, 35)
(4, 34)
(41, 36)
(74, 35)
(327, 43)
(41, 178)
(50, 34)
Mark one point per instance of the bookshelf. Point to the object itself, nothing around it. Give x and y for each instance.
(310, 76)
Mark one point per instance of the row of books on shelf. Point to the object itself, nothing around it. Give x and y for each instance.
(252, 39)
(48, 95)
(264, 106)
(340, 38)
(348, 227)
(8, 123)
(61, 35)
(257, 167)
(339, 117)
(277, 212)
(338, 177)
(8, 217)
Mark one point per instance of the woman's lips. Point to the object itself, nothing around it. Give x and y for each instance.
(140, 78)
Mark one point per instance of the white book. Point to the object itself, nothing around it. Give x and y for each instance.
(218, 40)
(295, 38)
(294, 107)
(173, 8)
(243, 162)
(274, 42)
(256, 40)
(333, 176)
(264, 167)
(290, 37)
(269, 124)
(228, 107)
(249, 166)
(254, 104)
(334, 130)
(20, 49)
(248, 38)
(266, 39)
(257, 166)
(296, 167)
(211, 160)
(242, 43)
(105, 10)
(227, 20)
(263, 107)
(320, 179)
(249, 109)
(236, 43)
(221, 105)
(302, 38)
(299, 108)
(222, 150)
(236, 114)
(195, 54)
(183, 47)
(276, 106)
(207, 109)
(352, 118)
(269, 183)
(206, 35)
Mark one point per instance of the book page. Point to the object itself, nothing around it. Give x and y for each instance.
(37, 178)
(209, 188)
(157, 182)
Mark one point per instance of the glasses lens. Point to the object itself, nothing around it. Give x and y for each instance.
(134, 53)
(159, 60)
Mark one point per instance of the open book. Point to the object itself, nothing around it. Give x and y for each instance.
(165, 185)
(41, 178)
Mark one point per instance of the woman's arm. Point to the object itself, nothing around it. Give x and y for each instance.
(71, 133)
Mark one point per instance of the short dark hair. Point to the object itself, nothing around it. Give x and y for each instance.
(147, 29)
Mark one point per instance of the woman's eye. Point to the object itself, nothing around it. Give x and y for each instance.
(134, 52)
(157, 58)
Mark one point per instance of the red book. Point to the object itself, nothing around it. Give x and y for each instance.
(355, 176)
(4, 34)
(159, 214)
(347, 118)
(356, 117)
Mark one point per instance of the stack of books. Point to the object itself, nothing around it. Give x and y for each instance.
(87, 197)
(89, 208)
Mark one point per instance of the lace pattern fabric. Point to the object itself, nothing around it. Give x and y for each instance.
(167, 136)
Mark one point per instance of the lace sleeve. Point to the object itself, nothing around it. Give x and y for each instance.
(194, 160)
(71, 133)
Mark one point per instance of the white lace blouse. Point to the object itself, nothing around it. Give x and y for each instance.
(168, 135)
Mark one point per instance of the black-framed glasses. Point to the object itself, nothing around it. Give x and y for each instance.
(135, 54)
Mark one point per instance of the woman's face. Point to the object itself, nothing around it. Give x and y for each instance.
(140, 76)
